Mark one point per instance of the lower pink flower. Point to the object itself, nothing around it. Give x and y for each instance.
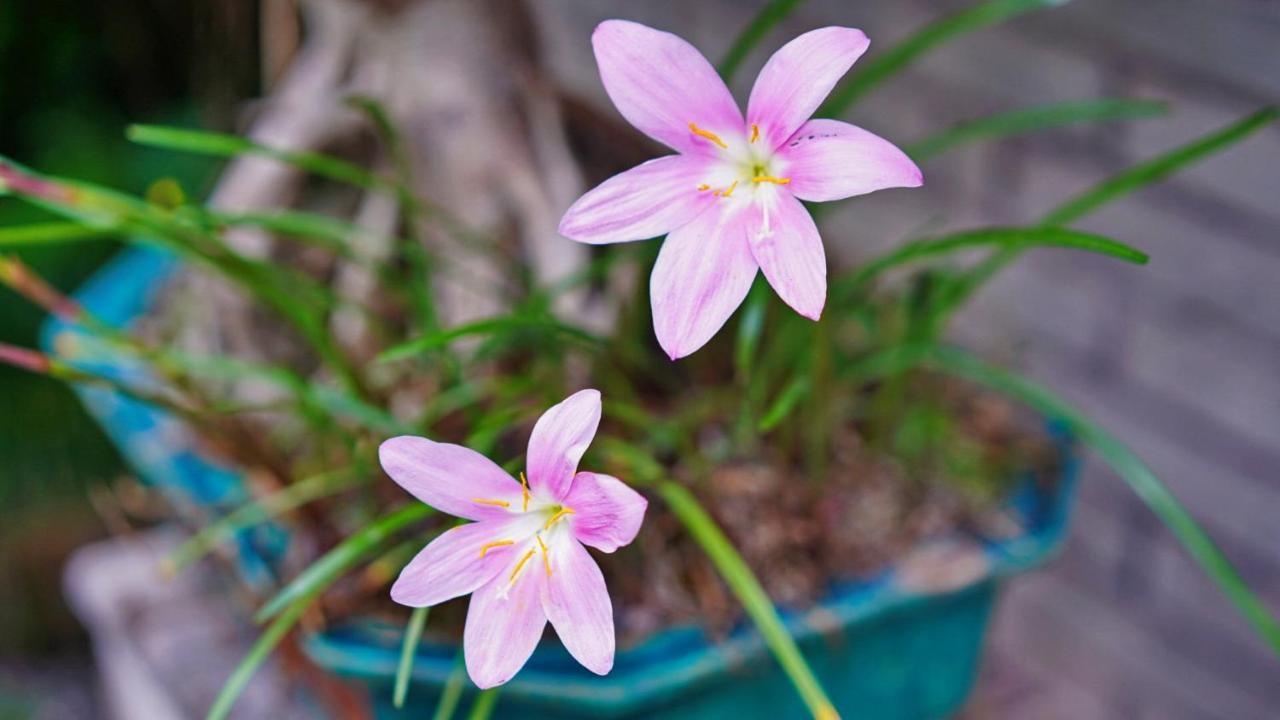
(522, 559)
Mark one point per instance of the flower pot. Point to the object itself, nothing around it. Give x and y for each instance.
(903, 644)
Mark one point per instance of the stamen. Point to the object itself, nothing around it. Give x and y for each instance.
(770, 179)
(546, 559)
(497, 543)
(524, 490)
(703, 187)
(498, 503)
(555, 518)
(519, 566)
(693, 128)
(755, 132)
(727, 191)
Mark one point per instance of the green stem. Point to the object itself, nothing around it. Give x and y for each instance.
(412, 634)
(484, 704)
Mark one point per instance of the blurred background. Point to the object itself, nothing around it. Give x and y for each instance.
(1181, 358)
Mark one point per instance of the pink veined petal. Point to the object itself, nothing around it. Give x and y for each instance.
(452, 565)
(606, 513)
(799, 77)
(449, 478)
(559, 438)
(786, 244)
(660, 83)
(577, 603)
(644, 202)
(831, 160)
(505, 620)
(703, 273)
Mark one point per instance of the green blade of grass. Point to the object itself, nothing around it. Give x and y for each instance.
(1034, 119)
(870, 73)
(792, 394)
(412, 635)
(751, 594)
(770, 15)
(214, 144)
(451, 694)
(488, 326)
(485, 702)
(259, 511)
(50, 233)
(262, 647)
(1135, 473)
(319, 574)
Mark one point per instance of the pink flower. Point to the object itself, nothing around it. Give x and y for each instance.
(523, 559)
(729, 201)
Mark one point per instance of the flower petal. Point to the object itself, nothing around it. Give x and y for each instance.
(577, 603)
(607, 513)
(786, 244)
(799, 77)
(660, 83)
(644, 202)
(703, 272)
(452, 564)
(831, 160)
(449, 478)
(559, 438)
(505, 622)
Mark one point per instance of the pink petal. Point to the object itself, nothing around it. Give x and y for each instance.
(799, 77)
(786, 244)
(505, 621)
(660, 84)
(703, 272)
(452, 565)
(831, 160)
(559, 438)
(577, 603)
(449, 478)
(644, 202)
(607, 513)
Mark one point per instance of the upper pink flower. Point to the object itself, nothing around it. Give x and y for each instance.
(729, 199)
(523, 558)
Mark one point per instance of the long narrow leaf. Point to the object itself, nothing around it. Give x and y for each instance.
(485, 702)
(50, 233)
(319, 574)
(451, 695)
(1034, 119)
(792, 394)
(1133, 471)
(754, 600)
(764, 21)
(488, 326)
(265, 643)
(870, 73)
(412, 634)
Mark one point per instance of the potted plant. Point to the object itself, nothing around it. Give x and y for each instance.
(834, 493)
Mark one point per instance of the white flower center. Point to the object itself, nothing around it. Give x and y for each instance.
(744, 164)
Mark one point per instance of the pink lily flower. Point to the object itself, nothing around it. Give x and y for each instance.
(729, 201)
(523, 559)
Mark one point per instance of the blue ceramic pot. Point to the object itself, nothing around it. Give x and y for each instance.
(903, 645)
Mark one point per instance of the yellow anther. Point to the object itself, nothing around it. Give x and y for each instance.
(727, 191)
(703, 187)
(755, 132)
(546, 559)
(524, 490)
(770, 179)
(497, 543)
(556, 518)
(498, 503)
(693, 128)
(519, 566)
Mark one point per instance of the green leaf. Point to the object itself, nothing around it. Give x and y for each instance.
(484, 704)
(764, 21)
(786, 402)
(870, 73)
(258, 511)
(51, 233)
(412, 634)
(488, 326)
(451, 694)
(1159, 168)
(754, 600)
(1133, 471)
(1034, 119)
(203, 142)
(319, 574)
(262, 647)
